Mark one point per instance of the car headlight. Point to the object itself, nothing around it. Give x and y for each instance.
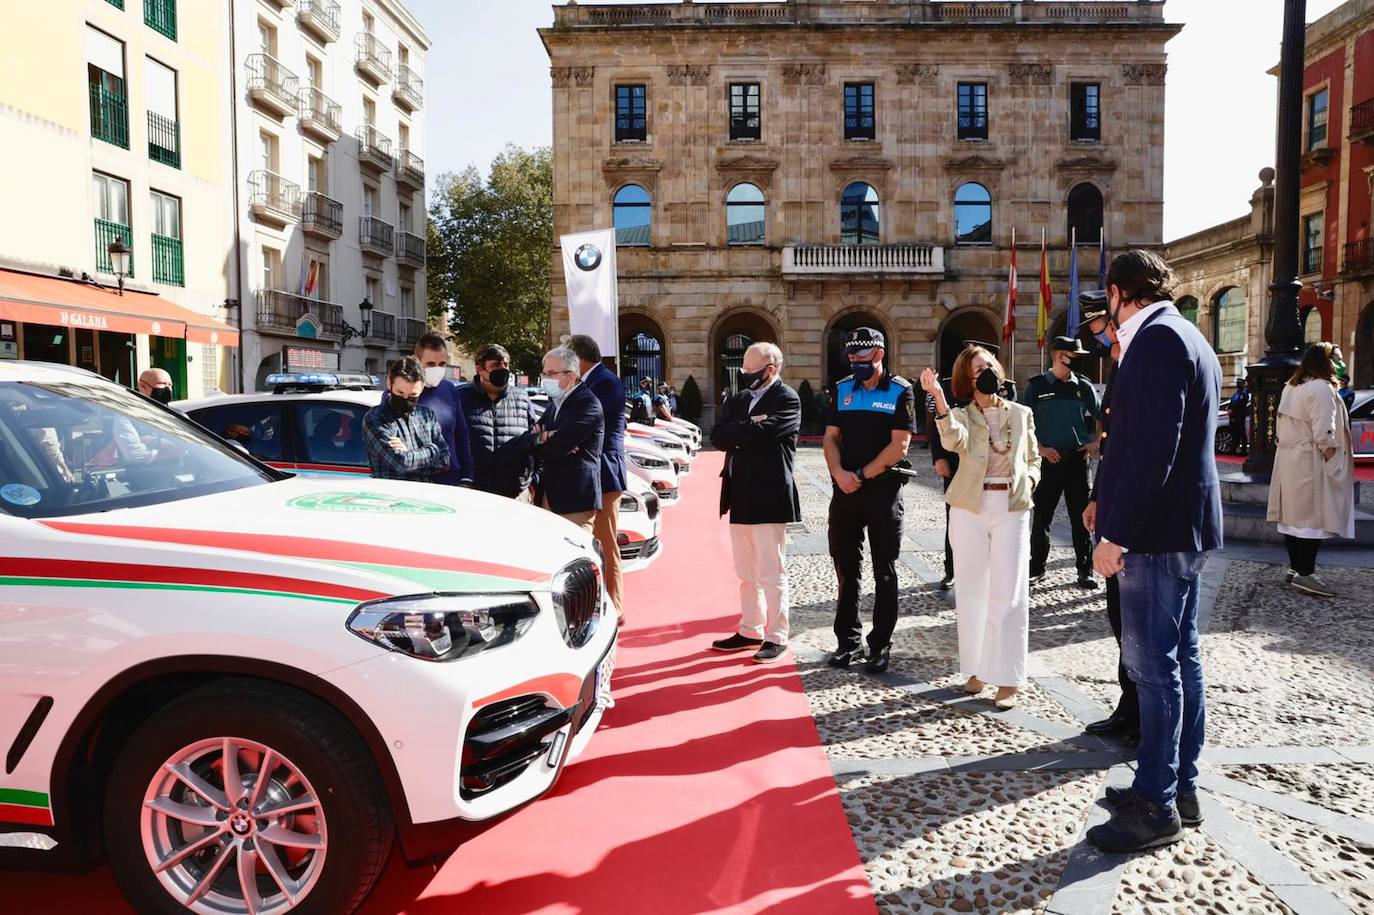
(444, 627)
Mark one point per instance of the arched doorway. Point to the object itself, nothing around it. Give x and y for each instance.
(836, 363)
(732, 337)
(643, 353)
(969, 324)
(1364, 350)
(1094, 366)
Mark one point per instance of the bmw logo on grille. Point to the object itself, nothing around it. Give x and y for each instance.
(588, 257)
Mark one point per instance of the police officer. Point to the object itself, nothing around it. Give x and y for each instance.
(868, 431)
(1124, 720)
(1065, 407)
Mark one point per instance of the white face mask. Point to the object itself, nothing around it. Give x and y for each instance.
(553, 388)
(435, 374)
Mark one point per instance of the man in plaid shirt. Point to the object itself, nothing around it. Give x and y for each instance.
(404, 440)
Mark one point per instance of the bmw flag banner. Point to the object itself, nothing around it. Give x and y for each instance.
(590, 275)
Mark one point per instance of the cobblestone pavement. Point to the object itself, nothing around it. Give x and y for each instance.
(956, 807)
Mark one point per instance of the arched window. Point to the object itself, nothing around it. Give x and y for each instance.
(745, 215)
(972, 215)
(633, 216)
(1311, 325)
(1187, 306)
(1085, 214)
(1228, 321)
(860, 215)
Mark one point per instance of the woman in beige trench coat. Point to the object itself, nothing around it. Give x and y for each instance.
(1312, 491)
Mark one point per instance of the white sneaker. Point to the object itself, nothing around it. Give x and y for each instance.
(1289, 576)
(1311, 584)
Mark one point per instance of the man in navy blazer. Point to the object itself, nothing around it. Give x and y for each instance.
(1158, 514)
(610, 393)
(569, 448)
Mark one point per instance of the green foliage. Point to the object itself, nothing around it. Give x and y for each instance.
(490, 243)
(689, 400)
(809, 414)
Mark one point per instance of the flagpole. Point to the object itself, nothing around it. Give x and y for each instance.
(1044, 261)
(1011, 356)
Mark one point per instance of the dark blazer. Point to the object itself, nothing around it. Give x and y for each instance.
(610, 392)
(570, 475)
(1157, 488)
(756, 484)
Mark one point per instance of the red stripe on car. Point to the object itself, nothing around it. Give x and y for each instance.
(29, 567)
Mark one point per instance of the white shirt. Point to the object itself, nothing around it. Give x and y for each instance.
(1127, 331)
(756, 396)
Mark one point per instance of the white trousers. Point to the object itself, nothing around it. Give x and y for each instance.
(759, 551)
(992, 589)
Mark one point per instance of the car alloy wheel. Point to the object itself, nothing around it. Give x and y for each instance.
(230, 825)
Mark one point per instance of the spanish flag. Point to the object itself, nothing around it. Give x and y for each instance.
(1042, 314)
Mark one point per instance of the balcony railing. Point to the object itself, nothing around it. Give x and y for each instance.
(408, 331)
(320, 17)
(321, 215)
(372, 58)
(272, 198)
(374, 149)
(1362, 120)
(272, 85)
(164, 140)
(319, 113)
(375, 236)
(410, 249)
(1085, 126)
(109, 116)
(106, 232)
(896, 259)
(161, 16)
(1358, 258)
(167, 262)
(278, 310)
(410, 170)
(383, 327)
(409, 91)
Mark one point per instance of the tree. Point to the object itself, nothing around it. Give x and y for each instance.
(808, 406)
(689, 401)
(488, 264)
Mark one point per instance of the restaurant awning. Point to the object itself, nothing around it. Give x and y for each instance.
(62, 302)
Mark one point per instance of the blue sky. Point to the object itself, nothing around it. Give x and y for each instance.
(487, 84)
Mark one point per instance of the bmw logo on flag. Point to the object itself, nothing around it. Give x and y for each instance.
(588, 257)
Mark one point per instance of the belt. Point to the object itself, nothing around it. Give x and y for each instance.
(996, 487)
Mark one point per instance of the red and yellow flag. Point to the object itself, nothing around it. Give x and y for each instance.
(1042, 314)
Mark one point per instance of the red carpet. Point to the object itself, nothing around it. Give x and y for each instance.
(1364, 467)
(706, 789)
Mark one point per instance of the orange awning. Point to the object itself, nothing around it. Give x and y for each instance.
(71, 303)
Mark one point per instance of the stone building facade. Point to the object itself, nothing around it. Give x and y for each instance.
(869, 118)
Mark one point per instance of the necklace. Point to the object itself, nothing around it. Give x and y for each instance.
(992, 441)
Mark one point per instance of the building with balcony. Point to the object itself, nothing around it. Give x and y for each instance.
(789, 171)
(320, 202)
(125, 108)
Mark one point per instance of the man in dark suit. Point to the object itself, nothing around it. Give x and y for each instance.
(758, 433)
(1158, 514)
(569, 446)
(610, 393)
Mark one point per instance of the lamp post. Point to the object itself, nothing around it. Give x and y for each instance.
(119, 260)
(1283, 335)
(349, 331)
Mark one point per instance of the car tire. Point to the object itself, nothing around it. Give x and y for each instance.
(318, 757)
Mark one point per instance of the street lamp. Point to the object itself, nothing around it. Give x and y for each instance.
(349, 331)
(120, 254)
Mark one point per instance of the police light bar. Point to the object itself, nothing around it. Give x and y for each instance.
(303, 378)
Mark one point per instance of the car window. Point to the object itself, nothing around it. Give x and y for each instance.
(255, 426)
(333, 433)
(1364, 409)
(68, 449)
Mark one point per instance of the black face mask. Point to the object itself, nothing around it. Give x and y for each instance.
(753, 380)
(162, 395)
(499, 378)
(987, 382)
(404, 406)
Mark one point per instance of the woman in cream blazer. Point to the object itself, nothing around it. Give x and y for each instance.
(989, 521)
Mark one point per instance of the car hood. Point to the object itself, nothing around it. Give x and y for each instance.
(377, 536)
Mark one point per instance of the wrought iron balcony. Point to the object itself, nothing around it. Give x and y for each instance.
(319, 17)
(168, 266)
(912, 259)
(408, 332)
(322, 216)
(164, 140)
(375, 236)
(383, 327)
(109, 116)
(319, 114)
(372, 58)
(271, 85)
(1362, 122)
(374, 149)
(105, 233)
(161, 16)
(272, 198)
(282, 312)
(410, 250)
(409, 91)
(1358, 258)
(410, 170)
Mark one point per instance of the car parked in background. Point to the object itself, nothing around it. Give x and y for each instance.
(664, 439)
(1362, 424)
(654, 466)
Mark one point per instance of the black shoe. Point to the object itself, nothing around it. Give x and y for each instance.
(843, 657)
(945, 583)
(735, 643)
(1114, 724)
(1136, 825)
(1132, 737)
(1189, 813)
(1087, 583)
(769, 653)
(877, 661)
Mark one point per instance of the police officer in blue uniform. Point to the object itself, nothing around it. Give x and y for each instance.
(867, 433)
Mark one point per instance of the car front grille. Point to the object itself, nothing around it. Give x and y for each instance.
(640, 548)
(505, 739)
(577, 601)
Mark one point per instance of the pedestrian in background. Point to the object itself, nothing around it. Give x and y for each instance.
(403, 439)
(610, 393)
(758, 433)
(1312, 489)
(500, 420)
(642, 403)
(989, 521)
(569, 448)
(156, 384)
(440, 397)
(1237, 416)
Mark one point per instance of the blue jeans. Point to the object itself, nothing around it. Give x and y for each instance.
(1159, 645)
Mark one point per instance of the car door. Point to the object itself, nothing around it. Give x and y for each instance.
(259, 426)
(330, 438)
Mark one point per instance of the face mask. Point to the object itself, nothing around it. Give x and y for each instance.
(162, 395)
(1103, 340)
(753, 380)
(404, 406)
(863, 371)
(987, 382)
(434, 374)
(553, 388)
(499, 378)
(1337, 364)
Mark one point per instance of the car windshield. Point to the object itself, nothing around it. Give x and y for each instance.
(74, 447)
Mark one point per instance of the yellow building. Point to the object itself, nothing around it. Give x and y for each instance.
(115, 121)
